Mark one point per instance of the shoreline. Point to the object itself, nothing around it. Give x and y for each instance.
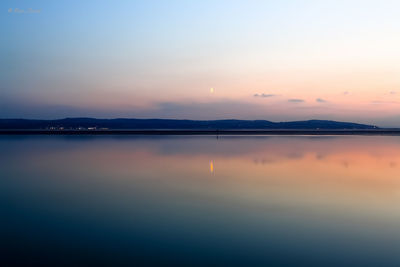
(393, 132)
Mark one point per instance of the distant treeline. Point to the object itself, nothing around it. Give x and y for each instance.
(91, 123)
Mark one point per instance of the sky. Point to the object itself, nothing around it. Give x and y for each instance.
(272, 60)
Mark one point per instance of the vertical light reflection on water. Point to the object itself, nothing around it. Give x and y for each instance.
(272, 200)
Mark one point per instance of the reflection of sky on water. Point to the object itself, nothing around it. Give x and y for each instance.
(329, 199)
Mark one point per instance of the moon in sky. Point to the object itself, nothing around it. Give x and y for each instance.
(211, 90)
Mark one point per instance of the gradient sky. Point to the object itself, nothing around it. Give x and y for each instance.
(273, 60)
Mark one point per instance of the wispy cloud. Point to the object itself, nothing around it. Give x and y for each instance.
(384, 102)
(320, 100)
(346, 92)
(295, 100)
(264, 95)
(392, 92)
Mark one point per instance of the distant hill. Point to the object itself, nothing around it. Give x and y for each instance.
(86, 123)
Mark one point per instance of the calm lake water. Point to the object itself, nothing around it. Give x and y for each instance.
(193, 200)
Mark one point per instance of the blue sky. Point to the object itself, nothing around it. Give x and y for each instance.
(340, 59)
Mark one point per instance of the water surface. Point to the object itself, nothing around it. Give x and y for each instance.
(120, 200)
